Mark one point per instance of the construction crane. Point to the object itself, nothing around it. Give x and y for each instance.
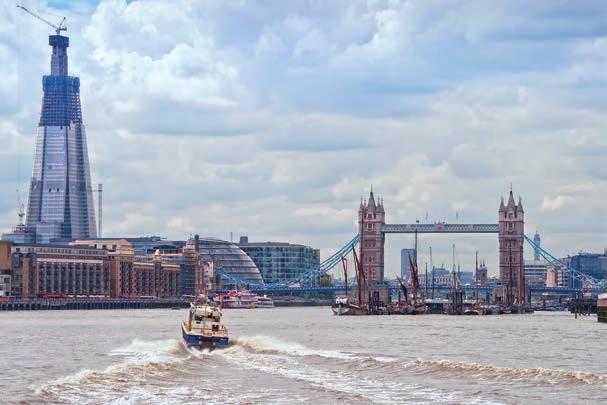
(58, 27)
(99, 192)
(21, 208)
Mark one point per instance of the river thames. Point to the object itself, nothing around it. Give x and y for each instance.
(295, 355)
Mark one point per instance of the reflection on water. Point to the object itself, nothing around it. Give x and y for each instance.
(291, 355)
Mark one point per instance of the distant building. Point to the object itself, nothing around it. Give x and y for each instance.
(230, 265)
(590, 264)
(536, 273)
(106, 267)
(19, 234)
(482, 273)
(60, 202)
(439, 275)
(405, 265)
(551, 276)
(191, 276)
(444, 278)
(5, 282)
(466, 277)
(536, 252)
(233, 267)
(5, 268)
(280, 261)
(40, 270)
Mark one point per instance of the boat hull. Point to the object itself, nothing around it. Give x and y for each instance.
(192, 339)
(347, 309)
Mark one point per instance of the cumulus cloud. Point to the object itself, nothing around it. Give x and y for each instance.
(272, 119)
(556, 203)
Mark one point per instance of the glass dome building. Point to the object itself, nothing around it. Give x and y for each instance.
(229, 258)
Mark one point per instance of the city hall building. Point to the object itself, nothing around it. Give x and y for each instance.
(280, 261)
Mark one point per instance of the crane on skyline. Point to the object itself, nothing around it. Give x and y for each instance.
(58, 27)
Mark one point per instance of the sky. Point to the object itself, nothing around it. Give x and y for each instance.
(271, 118)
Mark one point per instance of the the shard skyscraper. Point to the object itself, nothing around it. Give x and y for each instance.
(60, 202)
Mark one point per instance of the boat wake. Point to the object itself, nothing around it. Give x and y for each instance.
(345, 374)
(264, 345)
(166, 371)
(272, 346)
(514, 374)
(141, 361)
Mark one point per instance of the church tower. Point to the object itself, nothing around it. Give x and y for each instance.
(371, 218)
(511, 239)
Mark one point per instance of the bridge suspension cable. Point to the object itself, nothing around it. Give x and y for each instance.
(324, 267)
(585, 279)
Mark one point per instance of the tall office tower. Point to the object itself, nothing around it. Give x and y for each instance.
(405, 264)
(536, 252)
(60, 199)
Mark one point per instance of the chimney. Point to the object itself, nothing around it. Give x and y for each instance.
(197, 243)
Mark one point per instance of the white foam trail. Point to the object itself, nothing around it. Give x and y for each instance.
(550, 376)
(148, 351)
(141, 359)
(271, 345)
(286, 359)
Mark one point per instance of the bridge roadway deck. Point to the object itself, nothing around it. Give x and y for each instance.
(440, 227)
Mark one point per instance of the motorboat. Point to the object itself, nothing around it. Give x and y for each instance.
(203, 328)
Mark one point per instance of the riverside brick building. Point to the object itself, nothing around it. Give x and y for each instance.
(105, 268)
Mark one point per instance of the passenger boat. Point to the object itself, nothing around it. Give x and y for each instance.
(346, 306)
(236, 299)
(264, 302)
(203, 328)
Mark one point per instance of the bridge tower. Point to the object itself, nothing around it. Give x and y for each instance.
(371, 218)
(511, 262)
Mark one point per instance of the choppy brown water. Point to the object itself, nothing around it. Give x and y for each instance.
(294, 355)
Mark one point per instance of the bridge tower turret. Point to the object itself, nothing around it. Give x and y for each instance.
(371, 218)
(511, 239)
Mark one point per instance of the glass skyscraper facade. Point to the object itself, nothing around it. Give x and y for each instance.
(60, 202)
(278, 261)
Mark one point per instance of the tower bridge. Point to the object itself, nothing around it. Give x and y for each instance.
(372, 231)
(510, 228)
